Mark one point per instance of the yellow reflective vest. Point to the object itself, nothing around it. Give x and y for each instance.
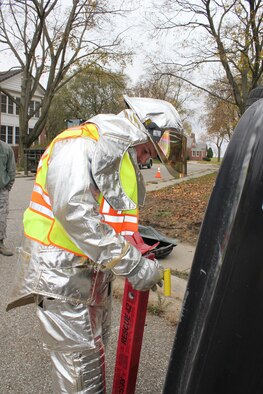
(41, 225)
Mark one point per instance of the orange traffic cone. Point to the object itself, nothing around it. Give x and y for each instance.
(158, 173)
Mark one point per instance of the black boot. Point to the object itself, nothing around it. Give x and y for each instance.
(3, 249)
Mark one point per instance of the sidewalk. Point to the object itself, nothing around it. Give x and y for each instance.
(167, 180)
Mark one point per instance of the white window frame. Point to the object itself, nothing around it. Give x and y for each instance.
(9, 131)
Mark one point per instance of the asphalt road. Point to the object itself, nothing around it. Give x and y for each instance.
(24, 366)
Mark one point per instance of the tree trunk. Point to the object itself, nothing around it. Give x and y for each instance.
(218, 154)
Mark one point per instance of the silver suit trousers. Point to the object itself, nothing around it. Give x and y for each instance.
(75, 334)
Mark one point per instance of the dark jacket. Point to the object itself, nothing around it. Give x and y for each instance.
(7, 166)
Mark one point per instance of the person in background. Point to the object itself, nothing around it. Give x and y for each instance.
(84, 204)
(7, 179)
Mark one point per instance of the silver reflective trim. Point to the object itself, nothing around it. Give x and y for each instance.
(113, 219)
(41, 209)
(120, 219)
(106, 207)
(130, 219)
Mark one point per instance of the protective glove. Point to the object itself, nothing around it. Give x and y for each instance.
(146, 275)
(160, 284)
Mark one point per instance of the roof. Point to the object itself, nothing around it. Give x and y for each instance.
(9, 74)
(200, 146)
(193, 145)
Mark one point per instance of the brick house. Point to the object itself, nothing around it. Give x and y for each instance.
(9, 114)
(195, 150)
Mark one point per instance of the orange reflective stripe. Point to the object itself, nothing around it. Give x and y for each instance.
(40, 202)
(129, 227)
(122, 222)
(116, 226)
(120, 227)
(40, 197)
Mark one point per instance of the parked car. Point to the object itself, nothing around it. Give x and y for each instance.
(148, 164)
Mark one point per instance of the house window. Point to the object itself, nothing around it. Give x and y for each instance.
(37, 108)
(7, 105)
(17, 105)
(3, 103)
(197, 153)
(34, 109)
(3, 133)
(31, 108)
(193, 153)
(9, 134)
(10, 106)
(17, 135)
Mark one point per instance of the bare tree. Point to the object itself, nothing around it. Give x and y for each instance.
(224, 35)
(48, 40)
(89, 93)
(220, 118)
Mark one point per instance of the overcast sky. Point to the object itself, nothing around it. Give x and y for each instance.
(137, 36)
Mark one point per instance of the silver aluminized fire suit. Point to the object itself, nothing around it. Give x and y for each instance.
(73, 293)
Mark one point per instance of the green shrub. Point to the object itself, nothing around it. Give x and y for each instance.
(210, 153)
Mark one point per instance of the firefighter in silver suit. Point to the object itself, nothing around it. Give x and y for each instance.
(84, 202)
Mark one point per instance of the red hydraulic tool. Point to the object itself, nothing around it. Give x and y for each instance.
(134, 308)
